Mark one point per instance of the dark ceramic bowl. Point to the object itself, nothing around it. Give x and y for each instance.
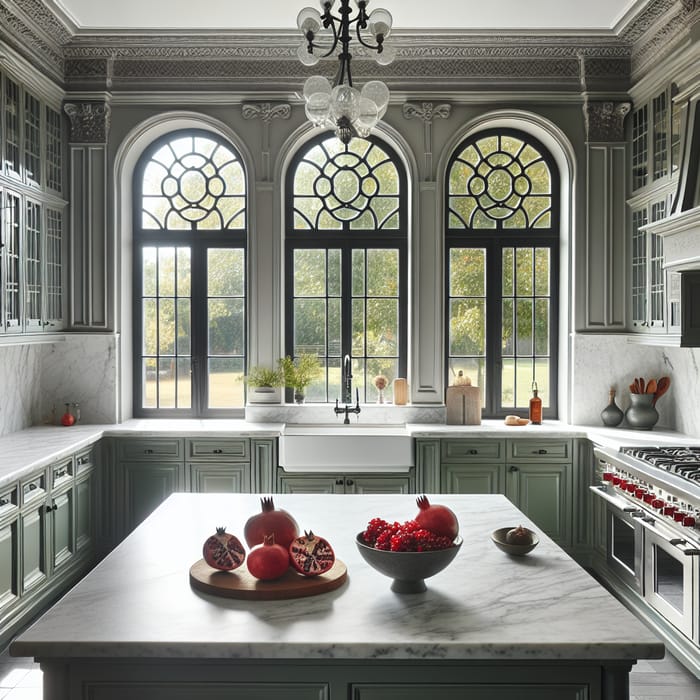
(499, 539)
(408, 569)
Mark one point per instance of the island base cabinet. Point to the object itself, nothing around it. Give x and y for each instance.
(354, 679)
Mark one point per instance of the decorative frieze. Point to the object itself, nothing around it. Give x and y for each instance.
(89, 121)
(604, 121)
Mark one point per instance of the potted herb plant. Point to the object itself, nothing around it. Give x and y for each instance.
(299, 372)
(263, 383)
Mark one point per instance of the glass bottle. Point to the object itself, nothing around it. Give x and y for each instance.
(535, 406)
(612, 414)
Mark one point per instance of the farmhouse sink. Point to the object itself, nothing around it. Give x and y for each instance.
(339, 447)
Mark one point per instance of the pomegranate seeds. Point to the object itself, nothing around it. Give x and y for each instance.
(402, 537)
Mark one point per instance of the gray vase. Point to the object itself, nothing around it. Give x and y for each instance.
(641, 415)
(612, 414)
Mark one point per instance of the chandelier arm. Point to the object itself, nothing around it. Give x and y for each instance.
(375, 47)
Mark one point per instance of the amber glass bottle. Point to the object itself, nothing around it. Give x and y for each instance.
(535, 406)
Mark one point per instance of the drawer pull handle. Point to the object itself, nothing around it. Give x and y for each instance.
(32, 487)
(349, 482)
(50, 508)
(338, 482)
(473, 452)
(540, 452)
(513, 468)
(3, 502)
(148, 451)
(217, 451)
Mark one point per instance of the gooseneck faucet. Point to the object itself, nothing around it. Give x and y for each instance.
(347, 393)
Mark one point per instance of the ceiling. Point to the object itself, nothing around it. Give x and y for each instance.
(597, 16)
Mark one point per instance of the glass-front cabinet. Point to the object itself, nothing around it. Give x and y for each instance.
(655, 162)
(32, 211)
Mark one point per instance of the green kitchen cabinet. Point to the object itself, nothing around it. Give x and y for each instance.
(9, 550)
(535, 473)
(218, 465)
(34, 565)
(310, 482)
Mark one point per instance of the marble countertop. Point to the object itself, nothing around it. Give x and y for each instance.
(138, 602)
(25, 450)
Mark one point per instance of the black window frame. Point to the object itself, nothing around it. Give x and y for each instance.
(346, 240)
(494, 241)
(199, 242)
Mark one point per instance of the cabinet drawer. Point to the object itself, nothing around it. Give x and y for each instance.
(84, 460)
(34, 488)
(61, 474)
(473, 450)
(540, 450)
(9, 500)
(234, 449)
(155, 448)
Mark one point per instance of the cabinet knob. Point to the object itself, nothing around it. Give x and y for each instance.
(513, 468)
(338, 482)
(50, 508)
(349, 482)
(473, 452)
(217, 451)
(541, 452)
(3, 502)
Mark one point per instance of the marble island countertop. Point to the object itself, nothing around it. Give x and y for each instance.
(485, 605)
(32, 448)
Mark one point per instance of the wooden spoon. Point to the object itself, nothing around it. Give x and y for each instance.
(641, 385)
(651, 387)
(661, 388)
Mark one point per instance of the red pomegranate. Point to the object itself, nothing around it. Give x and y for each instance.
(223, 551)
(311, 555)
(270, 522)
(438, 519)
(519, 535)
(268, 560)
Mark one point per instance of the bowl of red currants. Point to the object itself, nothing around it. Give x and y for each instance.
(410, 552)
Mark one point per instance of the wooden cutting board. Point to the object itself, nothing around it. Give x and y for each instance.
(240, 583)
(463, 405)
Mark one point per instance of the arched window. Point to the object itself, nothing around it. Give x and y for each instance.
(502, 237)
(346, 263)
(190, 225)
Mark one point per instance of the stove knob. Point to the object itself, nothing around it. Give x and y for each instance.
(689, 520)
(670, 509)
(658, 503)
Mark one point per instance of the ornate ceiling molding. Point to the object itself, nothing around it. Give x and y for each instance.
(135, 60)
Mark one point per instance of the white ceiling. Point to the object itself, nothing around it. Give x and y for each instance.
(470, 15)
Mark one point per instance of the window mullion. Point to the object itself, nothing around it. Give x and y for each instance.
(200, 330)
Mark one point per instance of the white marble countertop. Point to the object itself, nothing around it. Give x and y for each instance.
(138, 602)
(25, 450)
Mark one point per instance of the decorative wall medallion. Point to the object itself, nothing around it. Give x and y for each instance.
(266, 111)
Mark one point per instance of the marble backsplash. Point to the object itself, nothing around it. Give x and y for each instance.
(36, 381)
(603, 361)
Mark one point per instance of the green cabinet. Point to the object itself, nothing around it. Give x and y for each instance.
(310, 482)
(536, 474)
(47, 536)
(219, 465)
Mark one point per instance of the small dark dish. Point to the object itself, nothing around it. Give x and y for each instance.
(408, 569)
(499, 539)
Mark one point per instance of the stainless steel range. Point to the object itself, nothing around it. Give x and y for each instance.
(650, 500)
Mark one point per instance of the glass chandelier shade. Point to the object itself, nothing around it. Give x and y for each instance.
(340, 106)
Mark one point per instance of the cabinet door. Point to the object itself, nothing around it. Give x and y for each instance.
(543, 493)
(310, 483)
(62, 530)
(84, 512)
(474, 478)
(33, 564)
(384, 483)
(9, 584)
(146, 486)
(219, 478)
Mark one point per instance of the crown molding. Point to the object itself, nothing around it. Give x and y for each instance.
(128, 60)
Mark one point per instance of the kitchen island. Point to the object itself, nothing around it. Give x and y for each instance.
(489, 626)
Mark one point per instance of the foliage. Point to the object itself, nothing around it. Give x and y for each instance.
(298, 373)
(264, 376)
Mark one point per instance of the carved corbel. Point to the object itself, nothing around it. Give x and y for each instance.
(605, 120)
(90, 121)
(266, 112)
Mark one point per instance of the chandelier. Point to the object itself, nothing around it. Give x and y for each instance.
(340, 106)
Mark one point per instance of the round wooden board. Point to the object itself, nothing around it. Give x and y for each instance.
(241, 584)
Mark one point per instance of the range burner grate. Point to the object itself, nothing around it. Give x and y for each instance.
(684, 461)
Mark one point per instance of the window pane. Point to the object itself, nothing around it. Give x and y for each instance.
(225, 322)
(542, 327)
(309, 272)
(523, 271)
(467, 272)
(358, 272)
(382, 327)
(523, 320)
(225, 275)
(382, 272)
(166, 271)
(166, 327)
(225, 385)
(358, 328)
(309, 326)
(467, 327)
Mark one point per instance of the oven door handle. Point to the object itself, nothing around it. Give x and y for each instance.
(677, 542)
(617, 502)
